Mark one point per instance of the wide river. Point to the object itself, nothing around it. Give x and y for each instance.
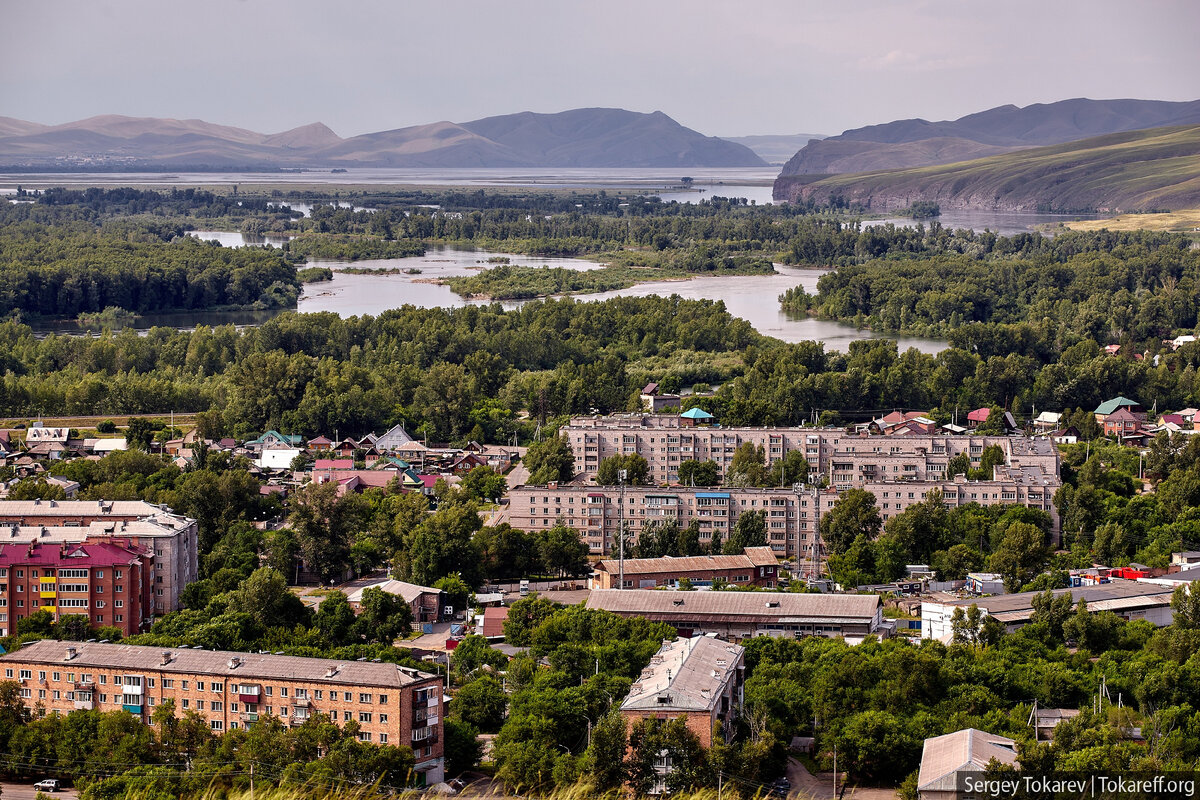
(752, 298)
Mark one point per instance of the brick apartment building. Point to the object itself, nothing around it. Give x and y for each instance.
(755, 566)
(391, 704)
(108, 580)
(174, 539)
(793, 514)
(848, 460)
(700, 680)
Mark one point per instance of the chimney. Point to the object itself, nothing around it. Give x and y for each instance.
(234, 662)
(166, 658)
(70, 654)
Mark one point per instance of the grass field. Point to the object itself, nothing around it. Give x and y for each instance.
(1184, 221)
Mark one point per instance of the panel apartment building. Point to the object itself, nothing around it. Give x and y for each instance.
(391, 704)
(792, 514)
(108, 580)
(172, 538)
(848, 460)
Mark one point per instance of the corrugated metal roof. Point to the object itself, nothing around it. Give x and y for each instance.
(969, 749)
(252, 666)
(670, 564)
(685, 675)
(734, 606)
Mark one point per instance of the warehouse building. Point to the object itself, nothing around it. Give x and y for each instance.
(1127, 599)
(755, 566)
(735, 616)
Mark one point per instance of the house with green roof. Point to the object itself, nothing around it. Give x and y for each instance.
(1108, 407)
(697, 416)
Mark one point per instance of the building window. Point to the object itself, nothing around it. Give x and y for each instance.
(383, 738)
(363, 697)
(383, 718)
(364, 716)
(217, 724)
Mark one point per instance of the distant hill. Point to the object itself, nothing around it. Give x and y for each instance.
(591, 137)
(917, 142)
(775, 149)
(1136, 170)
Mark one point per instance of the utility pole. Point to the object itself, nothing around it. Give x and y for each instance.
(251, 780)
(621, 475)
(835, 771)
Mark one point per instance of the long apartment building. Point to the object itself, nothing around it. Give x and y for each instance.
(173, 539)
(792, 514)
(391, 704)
(108, 580)
(847, 460)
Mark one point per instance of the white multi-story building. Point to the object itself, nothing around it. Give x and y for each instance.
(792, 514)
(846, 460)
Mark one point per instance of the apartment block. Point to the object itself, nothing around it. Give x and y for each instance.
(792, 514)
(391, 704)
(108, 580)
(847, 460)
(174, 539)
(699, 680)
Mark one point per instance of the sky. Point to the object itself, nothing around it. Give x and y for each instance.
(725, 68)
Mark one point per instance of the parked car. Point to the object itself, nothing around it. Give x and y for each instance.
(48, 785)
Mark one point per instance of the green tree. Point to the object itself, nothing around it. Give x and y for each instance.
(383, 617)
(481, 703)
(637, 471)
(335, 619)
(1021, 554)
(699, 473)
(563, 551)
(748, 466)
(789, 470)
(463, 748)
(750, 530)
(458, 593)
(853, 515)
(484, 483)
(605, 757)
(441, 545)
(652, 741)
(550, 460)
(1185, 603)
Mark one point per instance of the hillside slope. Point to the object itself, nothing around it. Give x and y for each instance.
(1138, 170)
(589, 137)
(917, 142)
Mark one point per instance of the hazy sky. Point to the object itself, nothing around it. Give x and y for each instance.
(725, 68)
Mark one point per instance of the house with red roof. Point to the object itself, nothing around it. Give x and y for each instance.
(978, 417)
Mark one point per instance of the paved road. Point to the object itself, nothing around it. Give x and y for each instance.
(820, 787)
(25, 791)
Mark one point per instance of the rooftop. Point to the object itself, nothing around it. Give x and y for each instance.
(734, 606)
(969, 749)
(220, 663)
(762, 556)
(1099, 597)
(91, 553)
(685, 675)
(409, 591)
(1109, 406)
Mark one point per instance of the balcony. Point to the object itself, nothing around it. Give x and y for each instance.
(132, 708)
(250, 716)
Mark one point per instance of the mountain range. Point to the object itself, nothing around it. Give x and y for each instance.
(585, 137)
(1144, 170)
(909, 143)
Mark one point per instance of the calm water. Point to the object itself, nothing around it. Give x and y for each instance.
(238, 239)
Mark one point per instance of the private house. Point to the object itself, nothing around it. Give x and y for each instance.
(391, 704)
(700, 681)
(1123, 425)
(735, 616)
(756, 566)
(275, 439)
(394, 439)
(1045, 720)
(490, 624)
(978, 417)
(1180, 341)
(1067, 435)
(70, 488)
(277, 458)
(38, 433)
(1047, 421)
(1108, 407)
(320, 443)
(325, 464)
(944, 759)
(426, 602)
(655, 401)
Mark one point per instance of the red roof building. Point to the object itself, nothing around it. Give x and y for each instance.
(978, 417)
(1122, 423)
(108, 580)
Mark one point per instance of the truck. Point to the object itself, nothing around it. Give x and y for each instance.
(524, 589)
